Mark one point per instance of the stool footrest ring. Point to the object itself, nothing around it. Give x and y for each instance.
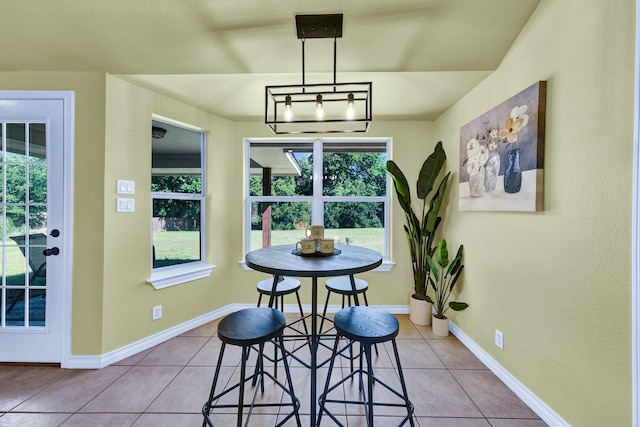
(206, 408)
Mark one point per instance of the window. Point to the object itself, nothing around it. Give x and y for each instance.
(346, 191)
(177, 191)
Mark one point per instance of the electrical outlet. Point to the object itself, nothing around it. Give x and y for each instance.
(500, 339)
(156, 312)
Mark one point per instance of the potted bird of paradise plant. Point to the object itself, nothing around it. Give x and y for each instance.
(444, 276)
(421, 225)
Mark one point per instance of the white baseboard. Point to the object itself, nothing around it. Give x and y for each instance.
(100, 361)
(530, 399)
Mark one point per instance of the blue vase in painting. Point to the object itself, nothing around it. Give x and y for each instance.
(513, 173)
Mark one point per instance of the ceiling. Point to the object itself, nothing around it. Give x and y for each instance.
(421, 55)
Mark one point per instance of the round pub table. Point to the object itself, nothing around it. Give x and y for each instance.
(283, 260)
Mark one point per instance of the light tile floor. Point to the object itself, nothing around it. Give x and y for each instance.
(167, 385)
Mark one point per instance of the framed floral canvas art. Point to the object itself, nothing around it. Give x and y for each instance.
(502, 155)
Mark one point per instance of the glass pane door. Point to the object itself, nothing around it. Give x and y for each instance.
(23, 225)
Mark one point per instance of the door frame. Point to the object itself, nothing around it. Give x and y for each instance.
(67, 98)
(635, 236)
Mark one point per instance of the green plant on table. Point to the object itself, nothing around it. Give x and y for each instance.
(445, 276)
(422, 223)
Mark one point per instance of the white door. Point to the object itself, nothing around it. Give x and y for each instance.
(33, 245)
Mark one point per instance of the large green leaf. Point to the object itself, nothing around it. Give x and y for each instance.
(434, 269)
(458, 306)
(455, 278)
(431, 235)
(415, 222)
(430, 170)
(456, 263)
(401, 185)
(434, 206)
(442, 254)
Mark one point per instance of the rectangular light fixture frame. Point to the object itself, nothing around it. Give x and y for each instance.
(303, 103)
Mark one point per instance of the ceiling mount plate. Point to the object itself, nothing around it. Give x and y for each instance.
(326, 26)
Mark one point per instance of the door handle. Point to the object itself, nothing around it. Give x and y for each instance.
(52, 251)
(55, 232)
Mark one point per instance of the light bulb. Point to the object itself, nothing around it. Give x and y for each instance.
(319, 109)
(350, 111)
(288, 114)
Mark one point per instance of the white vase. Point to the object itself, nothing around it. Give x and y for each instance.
(491, 171)
(440, 327)
(476, 183)
(419, 311)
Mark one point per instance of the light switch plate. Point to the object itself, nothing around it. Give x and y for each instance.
(125, 204)
(126, 187)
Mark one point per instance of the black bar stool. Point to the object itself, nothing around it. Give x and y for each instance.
(367, 326)
(284, 287)
(247, 328)
(342, 286)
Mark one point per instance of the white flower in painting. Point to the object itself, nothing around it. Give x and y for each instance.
(493, 145)
(473, 165)
(483, 154)
(518, 112)
(472, 147)
(517, 120)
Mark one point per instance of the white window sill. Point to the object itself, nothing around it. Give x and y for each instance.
(385, 266)
(170, 276)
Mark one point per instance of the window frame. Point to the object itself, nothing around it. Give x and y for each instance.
(318, 199)
(162, 277)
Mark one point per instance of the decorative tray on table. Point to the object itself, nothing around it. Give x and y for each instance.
(316, 254)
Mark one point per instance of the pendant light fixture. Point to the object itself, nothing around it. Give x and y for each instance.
(320, 107)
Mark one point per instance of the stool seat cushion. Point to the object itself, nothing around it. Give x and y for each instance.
(251, 326)
(284, 287)
(342, 285)
(366, 324)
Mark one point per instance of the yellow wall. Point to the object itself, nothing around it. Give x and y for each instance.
(128, 299)
(558, 282)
